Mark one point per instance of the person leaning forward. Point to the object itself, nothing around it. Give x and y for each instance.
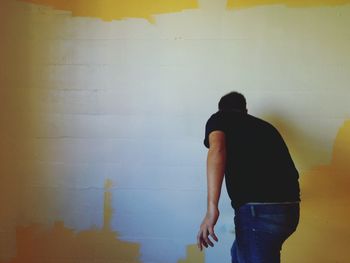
(261, 180)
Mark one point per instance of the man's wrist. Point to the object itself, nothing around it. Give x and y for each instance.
(212, 206)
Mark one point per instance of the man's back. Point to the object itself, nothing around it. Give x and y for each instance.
(259, 167)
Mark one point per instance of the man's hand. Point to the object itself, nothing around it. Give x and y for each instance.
(207, 228)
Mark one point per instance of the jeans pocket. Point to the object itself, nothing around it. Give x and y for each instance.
(277, 223)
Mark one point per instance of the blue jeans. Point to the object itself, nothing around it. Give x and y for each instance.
(261, 230)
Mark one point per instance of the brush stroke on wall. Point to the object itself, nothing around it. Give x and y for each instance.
(231, 4)
(116, 10)
(119, 9)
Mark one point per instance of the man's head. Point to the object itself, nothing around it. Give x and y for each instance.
(233, 101)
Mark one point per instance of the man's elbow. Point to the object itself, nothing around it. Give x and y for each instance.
(217, 153)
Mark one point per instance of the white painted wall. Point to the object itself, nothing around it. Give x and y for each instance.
(83, 100)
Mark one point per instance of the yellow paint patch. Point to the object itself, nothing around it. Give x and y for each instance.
(118, 9)
(193, 255)
(323, 234)
(107, 210)
(37, 243)
(291, 3)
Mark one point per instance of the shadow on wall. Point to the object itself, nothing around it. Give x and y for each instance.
(61, 244)
(324, 231)
(305, 149)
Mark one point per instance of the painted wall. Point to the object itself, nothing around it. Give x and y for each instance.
(102, 113)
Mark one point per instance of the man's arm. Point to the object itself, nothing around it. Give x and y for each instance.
(216, 161)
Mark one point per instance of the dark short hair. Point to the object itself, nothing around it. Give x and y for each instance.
(233, 101)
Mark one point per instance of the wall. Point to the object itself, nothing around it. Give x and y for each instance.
(102, 113)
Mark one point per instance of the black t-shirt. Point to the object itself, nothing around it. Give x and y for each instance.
(259, 167)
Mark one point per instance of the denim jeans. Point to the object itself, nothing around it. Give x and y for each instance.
(261, 230)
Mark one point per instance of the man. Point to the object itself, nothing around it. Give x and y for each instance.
(261, 180)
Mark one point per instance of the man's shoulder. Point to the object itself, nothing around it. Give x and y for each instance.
(261, 121)
(215, 116)
(229, 116)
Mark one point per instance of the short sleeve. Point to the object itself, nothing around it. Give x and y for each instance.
(215, 123)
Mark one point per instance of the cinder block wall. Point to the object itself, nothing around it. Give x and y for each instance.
(102, 114)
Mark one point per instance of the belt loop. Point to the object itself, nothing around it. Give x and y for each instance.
(252, 210)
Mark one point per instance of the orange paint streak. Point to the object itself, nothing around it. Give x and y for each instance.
(118, 9)
(290, 3)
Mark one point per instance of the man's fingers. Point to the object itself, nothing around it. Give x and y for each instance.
(205, 237)
(212, 234)
(199, 241)
(209, 242)
(204, 243)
